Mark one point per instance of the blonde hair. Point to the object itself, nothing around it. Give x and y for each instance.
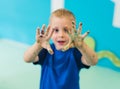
(63, 13)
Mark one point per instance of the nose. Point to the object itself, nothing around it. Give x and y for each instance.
(61, 34)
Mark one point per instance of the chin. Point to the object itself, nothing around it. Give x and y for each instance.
(59, 48)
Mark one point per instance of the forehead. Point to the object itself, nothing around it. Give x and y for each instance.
(61, 21)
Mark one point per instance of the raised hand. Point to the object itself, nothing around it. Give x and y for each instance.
(76, 38)
(43, 37)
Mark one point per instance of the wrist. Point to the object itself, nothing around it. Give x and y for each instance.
(37, 46)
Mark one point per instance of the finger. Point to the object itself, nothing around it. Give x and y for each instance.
(73, 24)
(65, 48)
(70, 34)
(43, 29)
(74, 27)
(49, 49)
(38, 31)
(49, 33)
(37, 34)
(47, 30)
(69, 45)
(85, 34)
(79, 28)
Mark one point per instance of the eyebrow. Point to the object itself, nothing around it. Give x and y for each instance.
(65, 27)
(55, 28)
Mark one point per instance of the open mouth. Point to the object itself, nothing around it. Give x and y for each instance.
(61, 42)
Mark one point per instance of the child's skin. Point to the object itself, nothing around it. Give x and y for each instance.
(63, 32)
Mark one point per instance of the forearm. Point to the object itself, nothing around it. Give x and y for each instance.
(31, 53)
(89, 54)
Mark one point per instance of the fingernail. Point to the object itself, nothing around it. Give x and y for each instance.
(41, 36)
(50, 51)
(73, 22)
(88, 32)
(80, 23)
(42, 32)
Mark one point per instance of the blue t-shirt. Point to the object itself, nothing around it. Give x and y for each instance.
(60, 70)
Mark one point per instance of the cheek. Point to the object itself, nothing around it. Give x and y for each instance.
(67, 37)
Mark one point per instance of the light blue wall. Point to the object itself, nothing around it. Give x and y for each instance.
(19, 19)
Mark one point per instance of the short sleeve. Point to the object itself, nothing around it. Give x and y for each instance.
(42, 56)
(78, 56)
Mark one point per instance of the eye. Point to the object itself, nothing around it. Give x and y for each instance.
(56, 30)
(66, 30)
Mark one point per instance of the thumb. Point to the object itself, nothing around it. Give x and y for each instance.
(49, 49)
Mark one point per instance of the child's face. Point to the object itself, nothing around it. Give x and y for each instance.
(61, 27)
